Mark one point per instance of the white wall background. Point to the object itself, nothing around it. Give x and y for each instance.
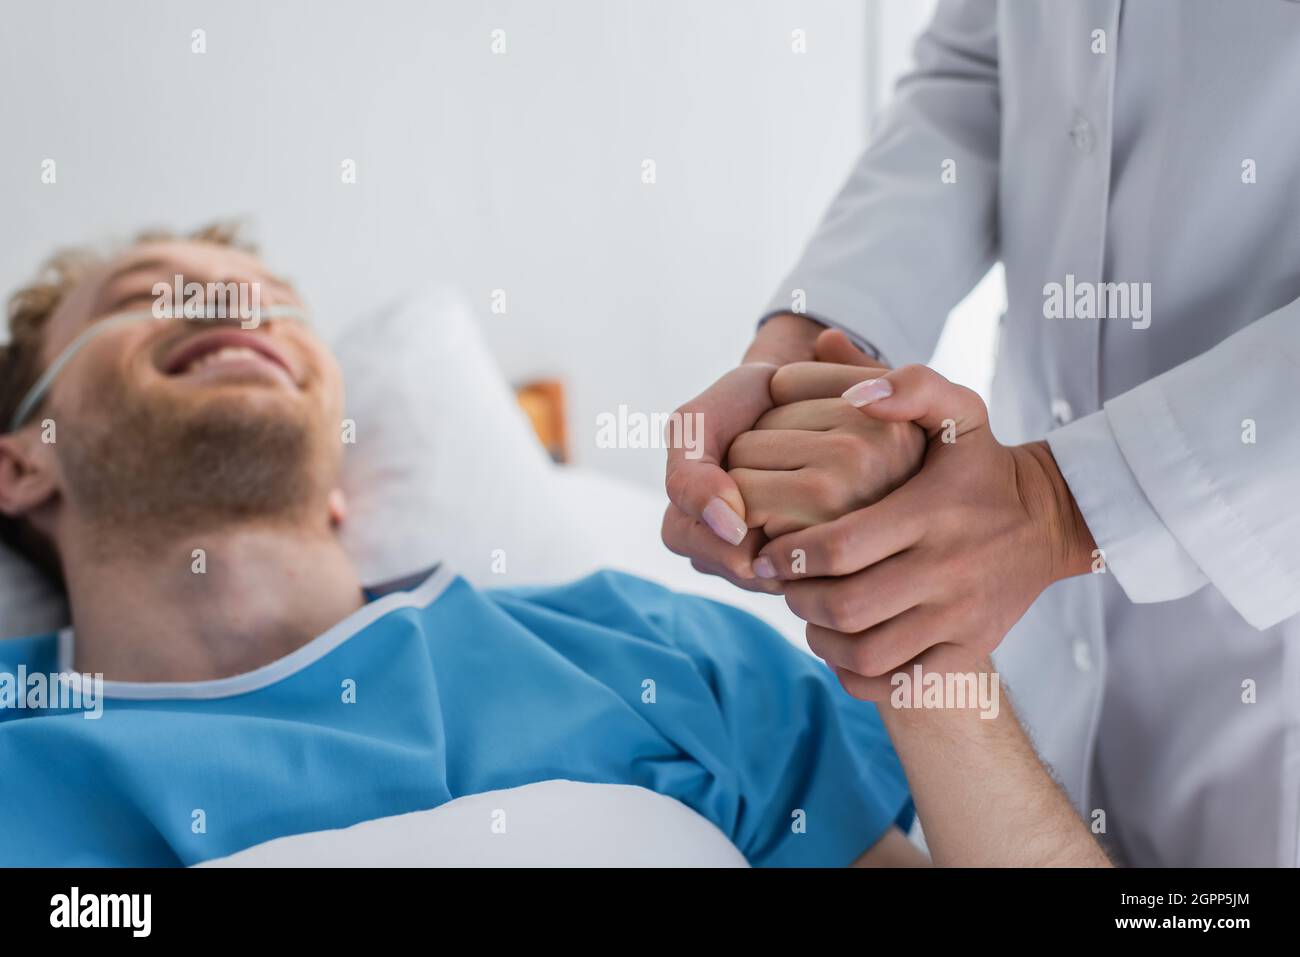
(519, 171)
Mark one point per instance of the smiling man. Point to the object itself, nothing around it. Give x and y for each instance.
(179, 477)
(171, 436)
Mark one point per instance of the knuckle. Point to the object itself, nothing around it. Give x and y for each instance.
(901, 452)
(839, 607)
(846, 446)
(672, 530)
(692, 483)
(865, 659)
(815, 644)
(815, 485)
(734, 565)
(972, 402)
(856, 687)
(914, 371)
(836, 553)
(715, 569)
(798, 599)
(866, 462)
(704, 568)
(962, 577)
(693, 405)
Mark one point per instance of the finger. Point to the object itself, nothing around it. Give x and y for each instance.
(771, 449)
(685, 536)
(787, 501)
(817, 380)
(851, 542)
(834, 345)
(808, 415)
(696, 482)
(863, 600)
(944, 658)
(748, 584)
(705, 492)
(918, 394)
(875, 652)
(864, 688)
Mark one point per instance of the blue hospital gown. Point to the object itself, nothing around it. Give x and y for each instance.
(442, 691)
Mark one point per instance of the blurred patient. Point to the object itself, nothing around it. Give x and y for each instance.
(178, 477)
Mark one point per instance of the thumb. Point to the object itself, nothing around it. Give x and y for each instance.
(836, 347)
(705, 491)
(696, 481)
(917, 393)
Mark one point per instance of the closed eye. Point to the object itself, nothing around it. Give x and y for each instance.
(130, 300)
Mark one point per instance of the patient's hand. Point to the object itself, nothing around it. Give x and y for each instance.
(813, 459)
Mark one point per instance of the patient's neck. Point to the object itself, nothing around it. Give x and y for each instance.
(168, 613)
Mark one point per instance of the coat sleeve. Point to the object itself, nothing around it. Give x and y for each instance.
(915, 226)
(1193, 477)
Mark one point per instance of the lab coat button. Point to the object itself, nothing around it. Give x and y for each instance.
(1062, 414)
(1082, 655)
(1081, 134)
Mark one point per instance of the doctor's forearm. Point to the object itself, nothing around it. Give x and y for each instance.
(983, 796)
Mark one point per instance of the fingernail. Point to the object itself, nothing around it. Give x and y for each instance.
(763, 567)
(724, 521)
(865, 393)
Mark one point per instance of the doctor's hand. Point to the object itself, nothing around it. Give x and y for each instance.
(811, 460)
(707, 519)
(956, 554)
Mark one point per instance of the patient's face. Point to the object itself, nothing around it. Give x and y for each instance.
(185, 421)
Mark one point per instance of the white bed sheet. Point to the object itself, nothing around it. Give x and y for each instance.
(548, 824)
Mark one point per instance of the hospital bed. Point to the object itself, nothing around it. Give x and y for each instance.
(445, 468)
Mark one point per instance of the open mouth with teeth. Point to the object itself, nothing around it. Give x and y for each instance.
(229, 355)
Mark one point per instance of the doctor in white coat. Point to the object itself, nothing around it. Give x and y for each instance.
(1136, 167)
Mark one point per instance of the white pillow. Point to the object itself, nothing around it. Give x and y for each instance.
(445, 465)
(548, 824)
(446, 468)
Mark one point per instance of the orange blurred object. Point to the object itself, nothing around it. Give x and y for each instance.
(543, 401)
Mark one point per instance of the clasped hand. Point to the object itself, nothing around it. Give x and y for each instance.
(881, 505)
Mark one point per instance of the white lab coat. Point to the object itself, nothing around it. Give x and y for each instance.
(1164, 692)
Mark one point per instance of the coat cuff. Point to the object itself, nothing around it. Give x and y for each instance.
(1146, 559)
(843, 308)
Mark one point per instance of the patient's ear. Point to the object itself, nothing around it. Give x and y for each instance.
(27, 475)
(338, 507)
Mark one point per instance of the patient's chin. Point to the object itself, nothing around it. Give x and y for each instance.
(250, 403)
(157, 464)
